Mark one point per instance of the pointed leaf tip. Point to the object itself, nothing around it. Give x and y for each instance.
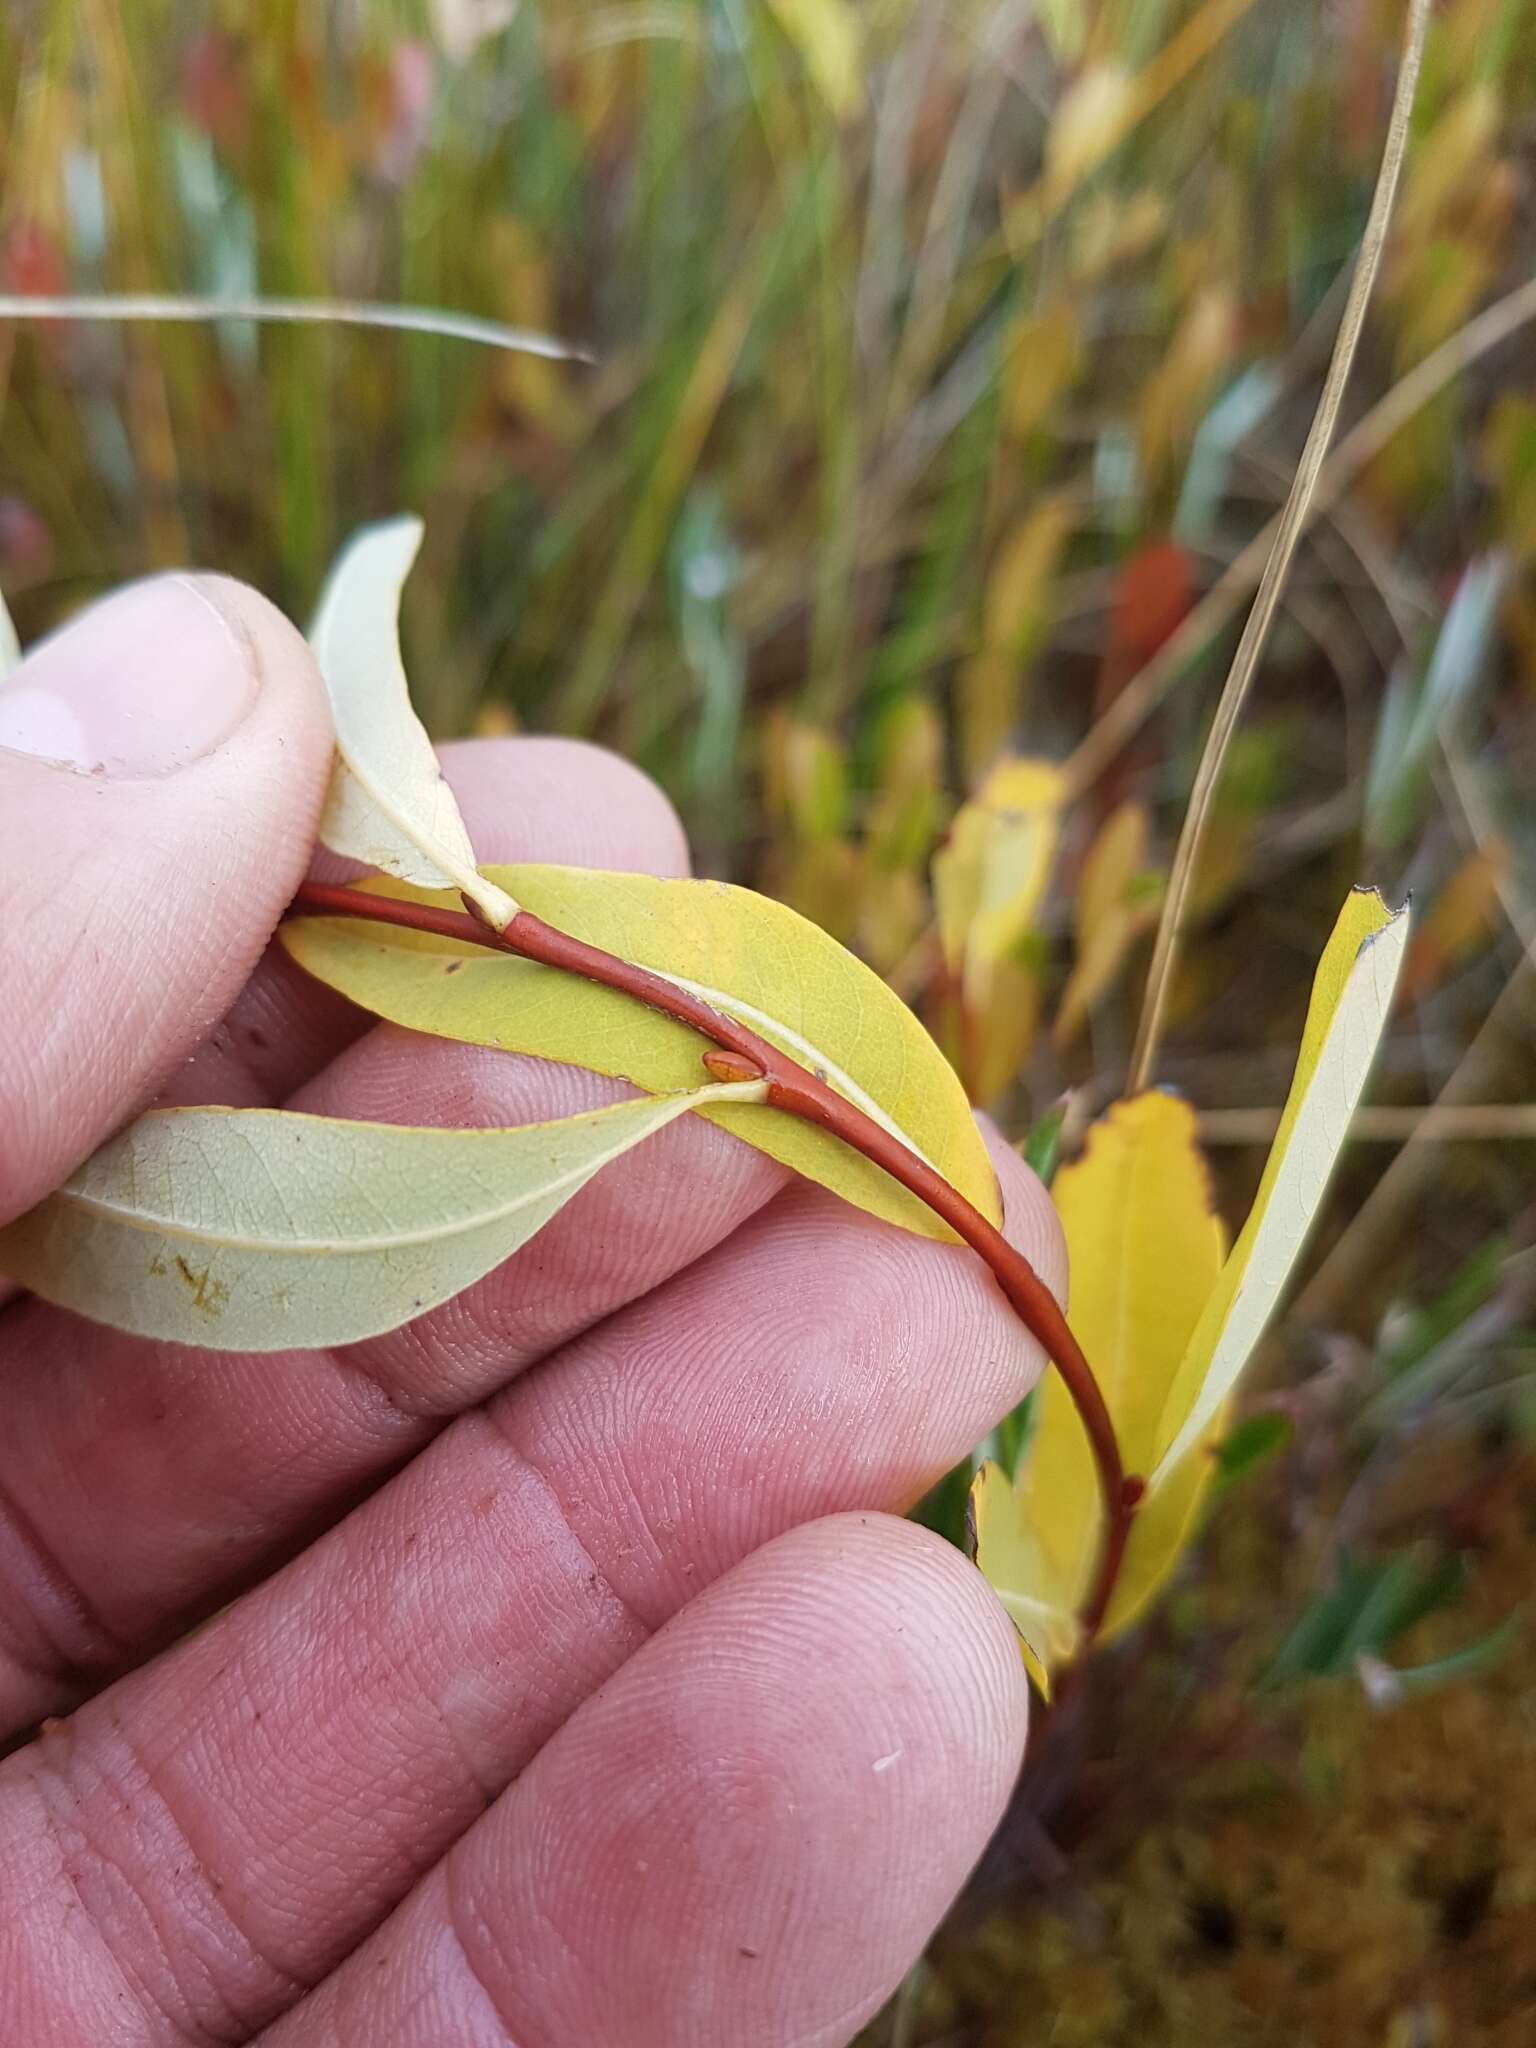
(1165, 1324)
(1351, 1002)
(388, 803)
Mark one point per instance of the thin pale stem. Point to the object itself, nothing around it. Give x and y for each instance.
(742, 1055)
(1292, 523)
(189, 308)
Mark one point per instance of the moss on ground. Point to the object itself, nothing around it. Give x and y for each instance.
(1340, 1874)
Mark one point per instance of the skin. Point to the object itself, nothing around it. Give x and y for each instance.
(607, 1701)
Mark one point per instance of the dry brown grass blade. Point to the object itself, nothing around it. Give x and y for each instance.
(193, 307)
(1288, 534)
(1446, 1123)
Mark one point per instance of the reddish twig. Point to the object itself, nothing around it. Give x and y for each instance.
(742, 1055)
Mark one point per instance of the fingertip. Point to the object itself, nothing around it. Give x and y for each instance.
(877, 1587)
(168, 756)
(565, 801)
(799, 1771)
(914, 1601)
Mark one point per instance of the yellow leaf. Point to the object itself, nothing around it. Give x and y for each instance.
(904, 814)
(265, 1229)
(991, 873)
(1098, 961)
(1144, 1251)
(1017, 582)
(989, 878)
(1043, 1609)
(892, 918)
(535, 385)
(746, 954)
(1165, 1325)
(1110, 229)
(1042, 357)
(1107, 918)
(826, 33)
(1014, 618)
(820, 878)
(1457, 149)
(1174, 396)
(1117, 856)
(1094, 116)
(807, 778)
(1351, 1001)
(998, 1037)
(496, 720)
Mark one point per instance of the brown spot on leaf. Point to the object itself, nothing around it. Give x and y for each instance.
(208, 1295)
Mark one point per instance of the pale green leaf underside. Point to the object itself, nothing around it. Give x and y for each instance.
(10, 646)
(264, 1230)
(388, 804)
(1324, 1098)
(750, 956)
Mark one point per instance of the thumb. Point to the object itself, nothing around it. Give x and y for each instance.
(162, 764)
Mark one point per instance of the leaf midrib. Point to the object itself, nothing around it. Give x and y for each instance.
(150, 1225)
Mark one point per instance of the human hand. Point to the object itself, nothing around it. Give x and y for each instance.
(600, 1704)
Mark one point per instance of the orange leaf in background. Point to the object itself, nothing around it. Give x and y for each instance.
(1155, 588)
(1458, 922)
(215, 91)
(34, 262)
(1153, 593)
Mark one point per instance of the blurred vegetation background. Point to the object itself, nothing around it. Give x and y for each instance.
(943, 355)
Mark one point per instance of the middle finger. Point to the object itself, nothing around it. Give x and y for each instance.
(319, 1746)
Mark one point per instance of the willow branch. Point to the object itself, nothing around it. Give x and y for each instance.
(741, 1054)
